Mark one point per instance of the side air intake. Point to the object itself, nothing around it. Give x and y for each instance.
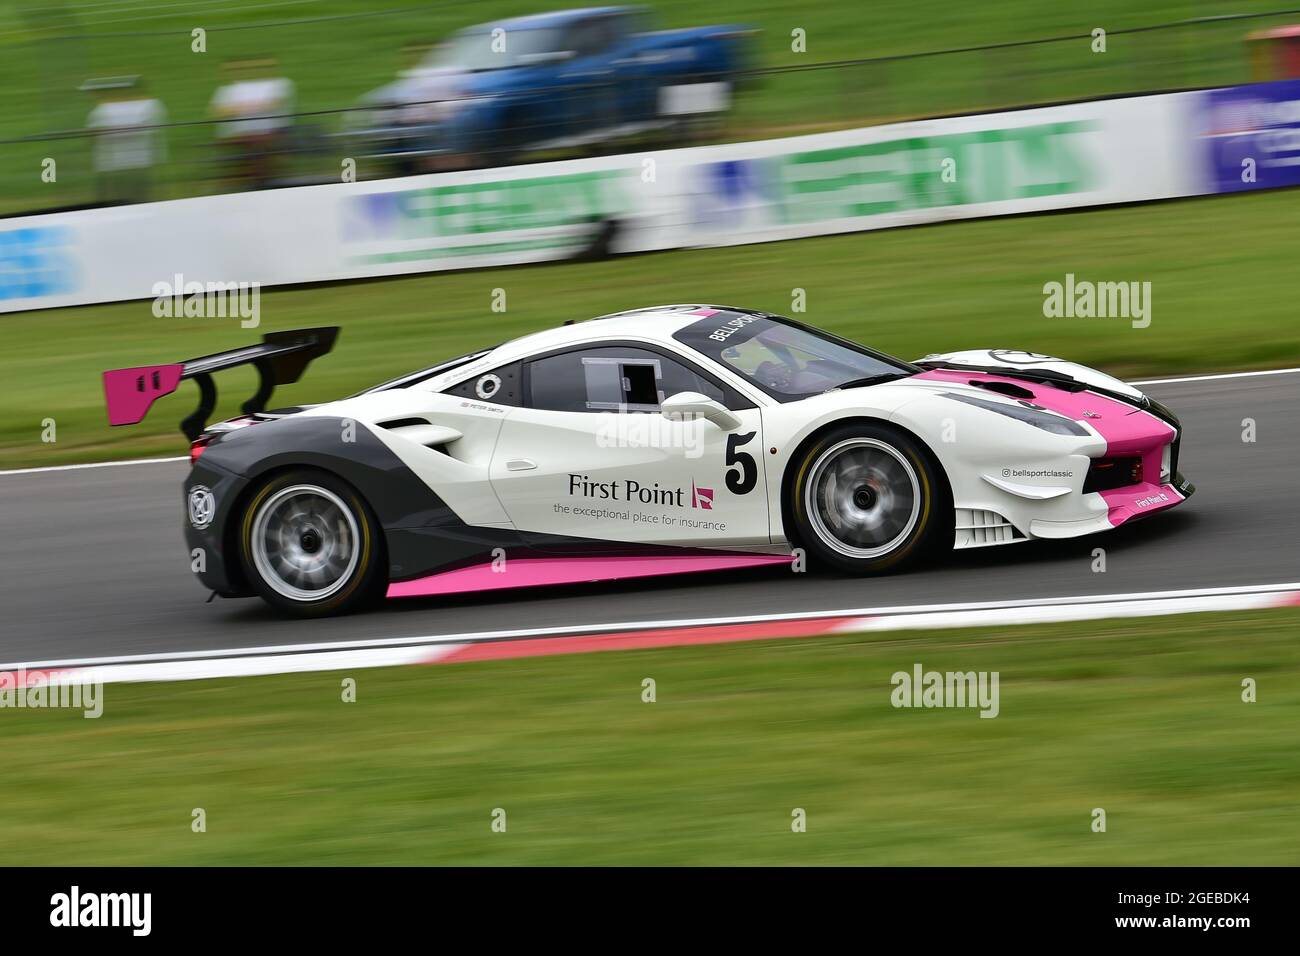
(422, 432)
(978, 528)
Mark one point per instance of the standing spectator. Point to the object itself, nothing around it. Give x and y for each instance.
(128, 139)
(252, 110)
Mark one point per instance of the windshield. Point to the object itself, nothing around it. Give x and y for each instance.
(787, 360)
(480, 50)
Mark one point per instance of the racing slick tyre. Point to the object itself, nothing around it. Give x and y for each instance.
(867, 498)
(310, 545)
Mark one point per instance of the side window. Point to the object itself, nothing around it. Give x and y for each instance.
(611, 379)
(578, 38)
(618, 25)
(499, 386)
(591, 36)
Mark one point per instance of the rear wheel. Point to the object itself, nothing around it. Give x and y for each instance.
(310, 545)
(866, 498)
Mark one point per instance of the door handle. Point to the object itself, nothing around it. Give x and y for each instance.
(520, 464)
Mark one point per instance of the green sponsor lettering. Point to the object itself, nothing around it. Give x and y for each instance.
(468, 209)
(987, 166)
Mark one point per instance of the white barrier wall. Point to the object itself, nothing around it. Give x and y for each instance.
(1081, 154)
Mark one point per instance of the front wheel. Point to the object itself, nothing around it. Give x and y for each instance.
(867, 498)
(310, 545)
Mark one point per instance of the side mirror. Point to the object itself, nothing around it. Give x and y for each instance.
(686, 405)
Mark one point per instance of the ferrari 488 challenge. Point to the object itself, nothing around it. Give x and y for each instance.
(656, 441)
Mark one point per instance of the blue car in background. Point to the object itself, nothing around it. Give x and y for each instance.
(493, 93)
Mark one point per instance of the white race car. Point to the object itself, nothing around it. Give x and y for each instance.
(656, 441)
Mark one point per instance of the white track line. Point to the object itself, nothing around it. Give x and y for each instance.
(471, 637)
(159, 461)
(1061, 613)
(1213, 376)
(235, 662)
(92, 464)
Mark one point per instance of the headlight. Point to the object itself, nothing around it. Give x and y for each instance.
(1047, 421)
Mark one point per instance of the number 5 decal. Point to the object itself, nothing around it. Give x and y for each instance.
(741, 482)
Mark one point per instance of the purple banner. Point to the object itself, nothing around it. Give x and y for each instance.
(1252, 135)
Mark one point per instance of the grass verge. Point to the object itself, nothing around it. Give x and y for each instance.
(1143, 718)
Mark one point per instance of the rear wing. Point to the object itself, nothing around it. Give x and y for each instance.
(280, 359)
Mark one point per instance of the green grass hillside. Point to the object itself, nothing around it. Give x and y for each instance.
(335, 52)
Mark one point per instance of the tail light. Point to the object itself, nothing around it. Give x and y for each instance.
(197, 446)
(200, 444)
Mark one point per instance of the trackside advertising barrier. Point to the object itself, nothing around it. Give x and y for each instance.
(1081, 154)
(1252, 135)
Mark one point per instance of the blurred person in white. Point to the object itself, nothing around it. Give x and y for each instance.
(128, 140)
(252, 108)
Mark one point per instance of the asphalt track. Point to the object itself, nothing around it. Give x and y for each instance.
(93, 563)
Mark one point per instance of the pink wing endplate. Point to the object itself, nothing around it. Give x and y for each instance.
(130, 391)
